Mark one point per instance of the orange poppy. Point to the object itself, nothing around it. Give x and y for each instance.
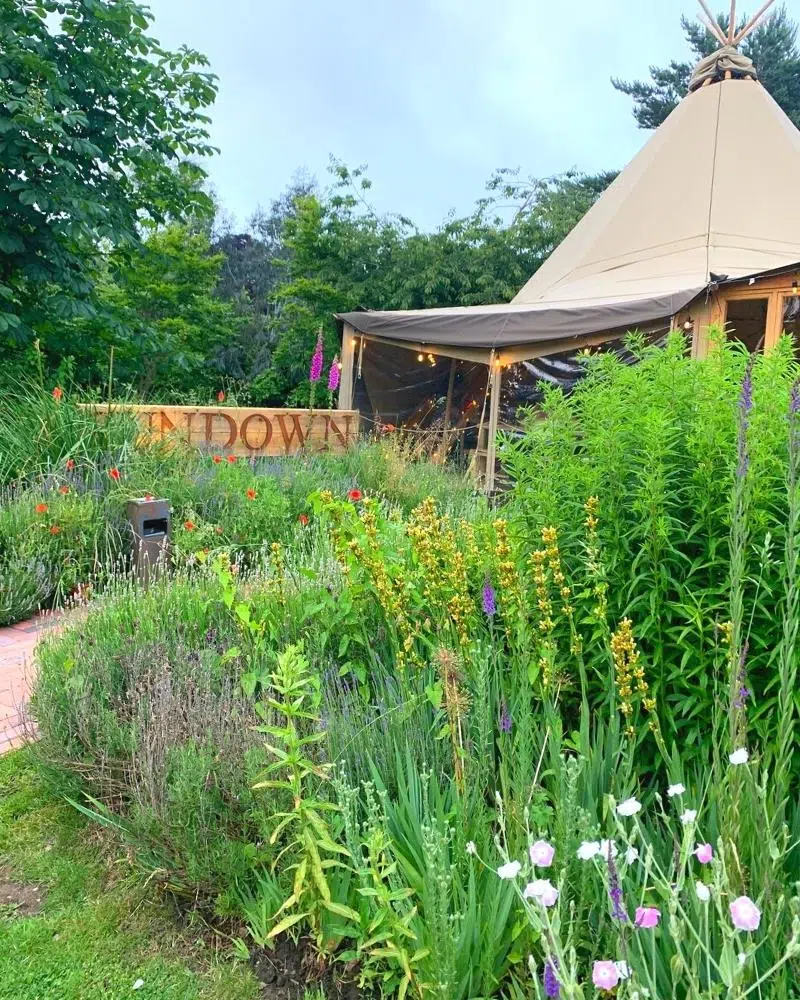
(189, 525)
(63, 490)
(303, 519)
(220, 396)
(216, 459)
(148, 496)
(54, 529)
(251, 494)
(231, 459)
(355, 495)
(114, 473)
(58, 392)
(70, 464)
(41, 508)
(218, 529)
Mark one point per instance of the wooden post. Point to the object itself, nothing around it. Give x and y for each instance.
(495, 381)
(348, 354)
(448, 406)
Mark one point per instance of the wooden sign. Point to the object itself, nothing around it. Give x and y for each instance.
(239, 430)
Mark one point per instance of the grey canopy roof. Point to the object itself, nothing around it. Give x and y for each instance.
(713, 192)
(495, 327)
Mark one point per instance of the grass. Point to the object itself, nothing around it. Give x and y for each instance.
(99, 931)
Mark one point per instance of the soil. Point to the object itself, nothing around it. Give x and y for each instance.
(19, 899)
(289, 969)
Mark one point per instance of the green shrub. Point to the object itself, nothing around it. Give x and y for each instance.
(141, 705)
(656, 443)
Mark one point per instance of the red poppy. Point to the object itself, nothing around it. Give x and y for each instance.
(354, 496)
(41, 508)
(303, 519)
(251, 494)
(231, 459)
(70, 464)
(63, 490)
(54, 529)
(148, 496)
(216, 459)
(58, 392)
(189, 525)
(220, 396)
(114, 473)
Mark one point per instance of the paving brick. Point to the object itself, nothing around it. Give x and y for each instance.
(17, 644)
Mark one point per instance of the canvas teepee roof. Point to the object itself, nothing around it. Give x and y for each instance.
(712, 193)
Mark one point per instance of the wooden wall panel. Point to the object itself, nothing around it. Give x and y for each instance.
(245, 431)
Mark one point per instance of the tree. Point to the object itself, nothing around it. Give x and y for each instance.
(254, 267)
(157, 307)
(96, 124)
(772, 47)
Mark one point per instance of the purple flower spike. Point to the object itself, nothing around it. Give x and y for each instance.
(489, 600)
(552, 987)
(614, 888)
(794, 399)
(333, 376)
(316, 361)
(506, 722)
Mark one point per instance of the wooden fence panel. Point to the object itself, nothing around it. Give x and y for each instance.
(245, 431)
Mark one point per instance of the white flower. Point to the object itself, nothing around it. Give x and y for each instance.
(742, 958)
(623, 969)
(631, 855)
(674, 790)
(740, 756)
(606, 846)
(703, 892)
(541, 890)
(689, 816)
(138, 984)
(629, 807)
(510, 870)
(589, 849)
(471, 848)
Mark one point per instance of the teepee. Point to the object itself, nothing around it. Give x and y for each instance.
(702, 226)
(714, 192)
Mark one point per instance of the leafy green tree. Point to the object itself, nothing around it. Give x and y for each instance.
(772, 47)
(97, 121)
(158, 309)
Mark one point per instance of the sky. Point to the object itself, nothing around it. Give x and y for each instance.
(432, 95)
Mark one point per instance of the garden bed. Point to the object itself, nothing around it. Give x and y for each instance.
(546, 749)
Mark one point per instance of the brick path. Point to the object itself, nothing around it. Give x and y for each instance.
(17, 643)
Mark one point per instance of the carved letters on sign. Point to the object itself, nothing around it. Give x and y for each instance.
(246, 431)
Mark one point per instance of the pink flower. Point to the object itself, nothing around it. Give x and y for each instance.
(541, 890)
(704, 853)
(333, 376)
(316, 361)
(745, 915)
(647, 917)
(605, 975)
(542, 854)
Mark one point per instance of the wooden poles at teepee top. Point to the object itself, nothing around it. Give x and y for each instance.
(752, 23)
(711, 24)
(733, 37)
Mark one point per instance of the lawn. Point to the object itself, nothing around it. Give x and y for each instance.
(75, 924)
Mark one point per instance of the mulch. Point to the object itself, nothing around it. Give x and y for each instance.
(291, 968)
